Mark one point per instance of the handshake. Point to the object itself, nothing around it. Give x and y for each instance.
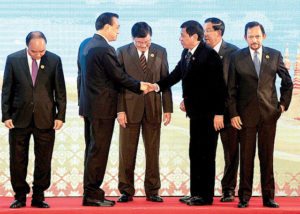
(147, 87)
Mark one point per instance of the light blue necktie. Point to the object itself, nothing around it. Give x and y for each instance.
(256, 63)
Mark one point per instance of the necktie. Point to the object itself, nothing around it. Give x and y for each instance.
(34, 71)
(256, 62)
(187, 59)
(143, 62)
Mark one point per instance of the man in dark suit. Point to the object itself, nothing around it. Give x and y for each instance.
(99, 77)
(213, 32)
(254, 109)
(200, 70)
(144, 61)
(33, 103)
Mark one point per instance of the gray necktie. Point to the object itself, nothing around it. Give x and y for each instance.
(256, 62)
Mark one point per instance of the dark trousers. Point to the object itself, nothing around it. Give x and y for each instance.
(265, 135)
(129, 138)
(98, 134)
(19, 148)
(202, 151)
(229, 138)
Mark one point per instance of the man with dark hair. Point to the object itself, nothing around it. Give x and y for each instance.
(33, 103)
(100, 76)
(200, 70)
(144, 61)
(254, 109)
(213, 32)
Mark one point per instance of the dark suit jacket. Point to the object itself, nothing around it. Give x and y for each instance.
(45, 101)
(136, 105)
(254, 98)
(202, 83)
(99, 78)
(225, 53)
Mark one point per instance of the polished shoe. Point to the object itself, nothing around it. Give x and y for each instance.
(97, 203)
(155, 198)
(198, 201)
(17, 204)
(125, 198)
(270, 203)
(243, 204)
(39, 204)
(185, 199)
(227, 197)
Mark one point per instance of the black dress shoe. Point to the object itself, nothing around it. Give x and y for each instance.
(125, 198)
(97, 203)
(17, 204)
(270, 203)
(39, 204)
(243, 204)
(109, 201)
(198, 201)
(185, 199)
(227, 197)
(155, 198)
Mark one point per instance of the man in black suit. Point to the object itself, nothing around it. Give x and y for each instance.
(33, 103)
(213, 32)
(144, 61)
(99, 78)
(254, 109)
(200, 70)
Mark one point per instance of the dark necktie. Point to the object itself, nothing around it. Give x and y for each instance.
(34, 71)
(188, 59)
(256, 62)
(143, 62)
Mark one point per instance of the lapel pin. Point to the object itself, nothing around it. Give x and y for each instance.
(267, 57)
(42, 66)
(152, 55)
(193, 58)
(221, 57)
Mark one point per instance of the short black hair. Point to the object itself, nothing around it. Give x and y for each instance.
(218, 24)
(34, 35)
(254, 24)
(105, 18)
(141, 30)
(193, 27)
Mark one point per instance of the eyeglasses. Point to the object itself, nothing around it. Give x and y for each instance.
(209, 30)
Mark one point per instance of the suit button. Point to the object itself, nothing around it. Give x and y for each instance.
(31, 103)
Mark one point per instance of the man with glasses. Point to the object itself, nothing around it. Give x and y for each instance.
(145, 61)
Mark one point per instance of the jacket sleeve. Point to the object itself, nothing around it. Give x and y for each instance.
(7, 92)
(232, 89)
(121, 95)
(60, 92)
(167, 101)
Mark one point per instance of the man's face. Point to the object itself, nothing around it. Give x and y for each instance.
(37, 48)
(113, 29)
(142, 44)
(186, 40)
(211, 36)
(254, 37)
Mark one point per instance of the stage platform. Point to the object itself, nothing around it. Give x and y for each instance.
(171, 205)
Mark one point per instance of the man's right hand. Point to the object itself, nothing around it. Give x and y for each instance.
(236, 122)
(9, 124)
(122, 119)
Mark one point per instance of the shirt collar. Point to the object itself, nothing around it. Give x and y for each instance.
(218, 46)
(194, 49)
(259, 53)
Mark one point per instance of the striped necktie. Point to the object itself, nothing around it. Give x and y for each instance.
(143, 62)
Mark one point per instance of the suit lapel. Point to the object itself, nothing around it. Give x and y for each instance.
(42, 67)
(222, 49)
(249, 62)
(264, 60)
(24, 64)
(150, 61)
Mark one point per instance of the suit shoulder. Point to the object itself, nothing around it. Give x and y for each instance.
(124, 47)
(271, 50)
(52, 55)
(232, 47)
(158, 47)
(18, 54)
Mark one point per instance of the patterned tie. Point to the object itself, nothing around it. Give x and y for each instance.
(187, 59)
(256, 63)
(34, 71)
(143, 62)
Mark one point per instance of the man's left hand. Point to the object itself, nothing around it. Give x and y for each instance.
(218, 122)
(57, 124)
(167, 118)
